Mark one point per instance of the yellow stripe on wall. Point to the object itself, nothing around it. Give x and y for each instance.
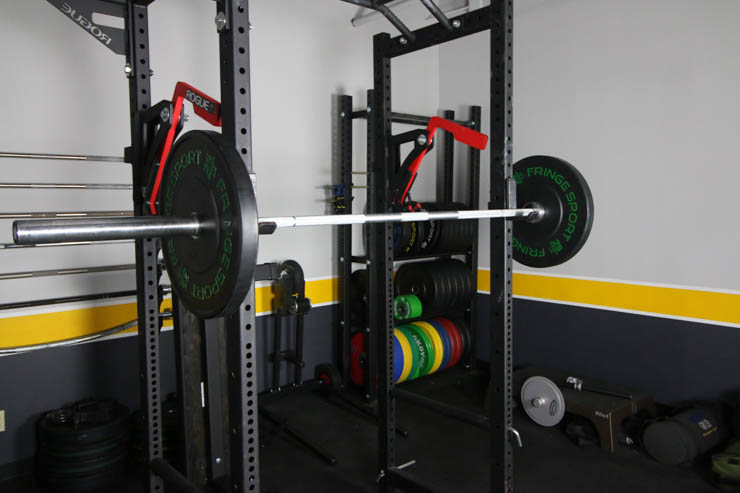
(47, 327)
(666, 301)
(660, 300)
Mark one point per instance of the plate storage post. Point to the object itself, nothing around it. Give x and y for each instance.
(241, 347)
(501, 236)
(147, 269)
(381, 262)
(344, 122)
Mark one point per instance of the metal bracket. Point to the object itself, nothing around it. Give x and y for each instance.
(510, 193)
(516, 435)
(81, 13)
(266, 272)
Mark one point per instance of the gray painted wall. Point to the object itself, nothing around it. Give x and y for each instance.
(673, 360)
(642, 97)
(35, 382)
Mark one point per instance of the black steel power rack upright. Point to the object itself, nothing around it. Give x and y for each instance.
(498, 19)
(219, 441)
(220, 445)
(345, 117)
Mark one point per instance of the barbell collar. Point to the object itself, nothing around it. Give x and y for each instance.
(119, 228)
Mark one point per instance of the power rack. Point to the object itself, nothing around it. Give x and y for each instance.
(221, 444)
(498, 20)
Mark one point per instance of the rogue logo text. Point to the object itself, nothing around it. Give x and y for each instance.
(85, 23)
(200, 101)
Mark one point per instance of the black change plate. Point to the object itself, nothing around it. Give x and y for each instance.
(205, 177)
(562, 191)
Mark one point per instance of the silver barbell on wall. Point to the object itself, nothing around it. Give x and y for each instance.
(62, 157)
(64, 214)
(66, 186)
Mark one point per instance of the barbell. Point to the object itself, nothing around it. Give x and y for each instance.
(209, 226)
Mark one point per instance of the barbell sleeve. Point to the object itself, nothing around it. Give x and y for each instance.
(116, 228)
(120, 228)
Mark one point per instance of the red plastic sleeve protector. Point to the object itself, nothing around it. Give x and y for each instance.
(462, 134)
(205, 107)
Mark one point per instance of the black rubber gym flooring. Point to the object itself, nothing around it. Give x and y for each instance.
(448, 453)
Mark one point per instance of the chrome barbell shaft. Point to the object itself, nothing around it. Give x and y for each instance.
(71, 230)
(394, 217)
(56, 231)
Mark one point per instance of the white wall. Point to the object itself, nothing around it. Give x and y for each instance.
(67, 93)
(643, 97)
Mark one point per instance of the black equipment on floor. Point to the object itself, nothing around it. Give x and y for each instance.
(82, 447)
(726, 468)
(171, 447)
(547, 394)
(686, 435)
(735, 416)
(290, 300)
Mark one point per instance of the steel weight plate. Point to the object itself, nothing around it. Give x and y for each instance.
(562, 191)
(543, 401)
(206, 178)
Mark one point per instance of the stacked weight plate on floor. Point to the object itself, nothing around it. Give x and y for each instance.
(83, 447)
(442, 285)
(170, 433)
(420, 348)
